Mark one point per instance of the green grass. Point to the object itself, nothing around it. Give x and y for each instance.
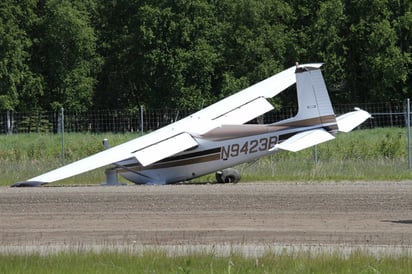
(24, 156)
(376, 154)
(158, 262)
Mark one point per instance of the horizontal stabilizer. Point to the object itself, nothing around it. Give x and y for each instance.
(304, 140)
(165, 148)
(350, 120)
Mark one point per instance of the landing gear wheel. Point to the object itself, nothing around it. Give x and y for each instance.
(228, 175)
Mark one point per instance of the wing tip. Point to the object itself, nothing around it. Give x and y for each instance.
(28, 184)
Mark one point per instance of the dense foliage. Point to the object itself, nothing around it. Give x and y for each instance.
(83, 54)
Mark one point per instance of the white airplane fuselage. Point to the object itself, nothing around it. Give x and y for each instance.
(217, 150)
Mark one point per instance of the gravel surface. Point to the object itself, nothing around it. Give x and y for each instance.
(252, 215)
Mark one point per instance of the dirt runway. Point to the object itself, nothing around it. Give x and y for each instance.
(341, 213)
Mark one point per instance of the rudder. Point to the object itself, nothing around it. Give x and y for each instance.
(314, 103)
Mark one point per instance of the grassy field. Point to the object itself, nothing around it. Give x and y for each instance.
(157, 262)
(376, 154)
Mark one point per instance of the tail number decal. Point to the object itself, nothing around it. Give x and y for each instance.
(248, 147)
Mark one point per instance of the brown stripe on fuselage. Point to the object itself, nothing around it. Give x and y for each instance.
(181, 160)
(189, 161)
(309, 122)
(227, 132)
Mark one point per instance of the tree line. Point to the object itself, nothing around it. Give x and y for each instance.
(122, 54)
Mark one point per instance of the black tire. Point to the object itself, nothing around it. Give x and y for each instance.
(228, 175)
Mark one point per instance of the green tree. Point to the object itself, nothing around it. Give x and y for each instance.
(328, 44)
(377, 67)
(319, 36)
(160, 59)
(19, 86)
(66, 54)
(402, 22)
(117, 26)
(257, 40)
(196, 41)
(188, 53)
(159, 54)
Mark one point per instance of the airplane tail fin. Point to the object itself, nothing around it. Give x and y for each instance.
(316, 113)
(315, 107)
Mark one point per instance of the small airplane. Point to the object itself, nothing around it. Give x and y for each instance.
(216, 138)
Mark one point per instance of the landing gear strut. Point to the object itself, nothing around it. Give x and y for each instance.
(111, 178)
(228, 175)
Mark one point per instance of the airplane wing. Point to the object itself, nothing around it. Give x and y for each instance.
(238, 108)
(304, 140)
(250, 102)
(168, 147)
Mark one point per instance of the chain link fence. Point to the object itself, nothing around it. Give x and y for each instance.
(117, 121)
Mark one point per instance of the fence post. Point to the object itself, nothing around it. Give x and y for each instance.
(141, 120)
(62, 131)
(408, 121)
(9, 131)
(315, 154)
